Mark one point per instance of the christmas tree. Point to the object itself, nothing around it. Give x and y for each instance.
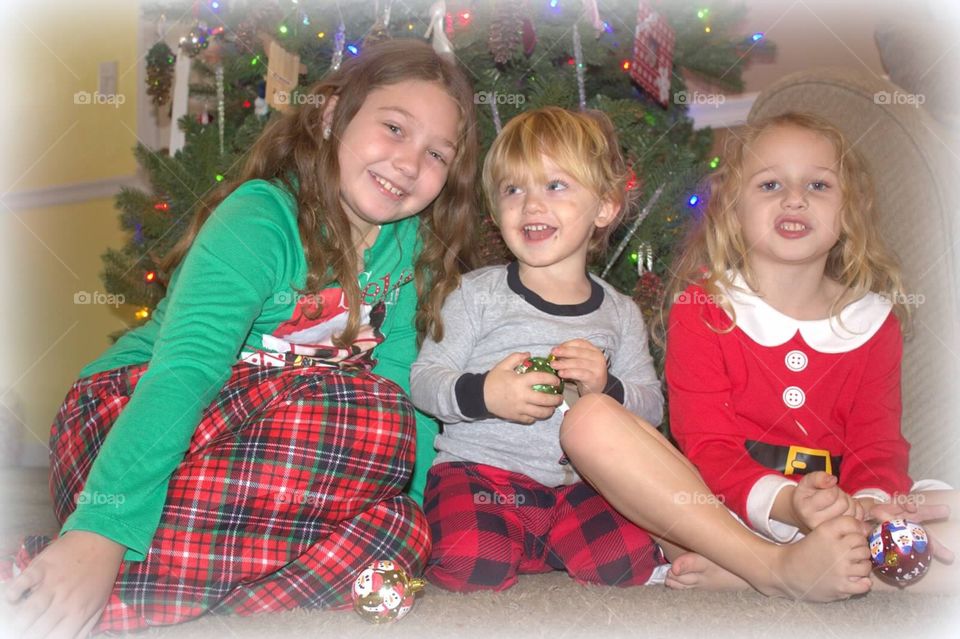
(627, 59)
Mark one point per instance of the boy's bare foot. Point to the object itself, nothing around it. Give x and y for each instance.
(831, 563)
(691, 570)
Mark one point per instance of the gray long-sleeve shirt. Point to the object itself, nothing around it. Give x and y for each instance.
(491, 315)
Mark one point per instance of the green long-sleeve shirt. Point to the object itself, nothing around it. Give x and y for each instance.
(235, 292)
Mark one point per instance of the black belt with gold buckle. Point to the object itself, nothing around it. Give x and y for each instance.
(794, 460)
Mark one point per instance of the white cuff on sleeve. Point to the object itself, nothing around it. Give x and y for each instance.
(882, 496)
(929, 484)
(760, 503)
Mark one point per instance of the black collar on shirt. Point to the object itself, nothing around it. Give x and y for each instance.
(566, 310)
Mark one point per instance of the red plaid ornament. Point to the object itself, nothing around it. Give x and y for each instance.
(653, 54)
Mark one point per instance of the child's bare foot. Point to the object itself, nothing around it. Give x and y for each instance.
(691, 570)
(831, 563)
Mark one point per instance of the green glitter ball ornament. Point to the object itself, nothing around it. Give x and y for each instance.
(541, 365)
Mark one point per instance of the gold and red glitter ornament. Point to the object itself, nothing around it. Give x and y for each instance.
(540, 365)
(383, 592)
(901, 551)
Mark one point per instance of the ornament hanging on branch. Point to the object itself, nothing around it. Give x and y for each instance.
(160, 62)
(578, 65)
(529, 37)
(438, 16)
(214, 57)
(592, 13)
(506, 30)
(339, 42)
(633, 229)
(221, 109)
(653, 54)
(648, 294)
(263, 16)
(644, 257)
(495, 114)
(378, 32)
(196, 41)
(283, 73)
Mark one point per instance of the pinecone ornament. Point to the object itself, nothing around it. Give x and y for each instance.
(506, 30)
(160, 61)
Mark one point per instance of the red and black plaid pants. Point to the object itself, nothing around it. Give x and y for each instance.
(290, 487)
(489, 525)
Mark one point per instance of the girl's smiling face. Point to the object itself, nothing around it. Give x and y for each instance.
(396, 152)
(791, 198)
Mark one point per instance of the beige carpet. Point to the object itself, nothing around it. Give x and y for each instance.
(549, 606)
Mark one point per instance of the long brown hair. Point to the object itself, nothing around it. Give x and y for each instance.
(293, 150)
(860, 260)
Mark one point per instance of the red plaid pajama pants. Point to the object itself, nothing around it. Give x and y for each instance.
(489, 525)
(290, 487)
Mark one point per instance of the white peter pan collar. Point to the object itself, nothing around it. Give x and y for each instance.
(769, 327)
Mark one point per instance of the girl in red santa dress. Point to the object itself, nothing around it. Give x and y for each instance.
(783, 345)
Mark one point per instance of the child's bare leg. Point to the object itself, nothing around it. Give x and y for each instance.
(651, 483)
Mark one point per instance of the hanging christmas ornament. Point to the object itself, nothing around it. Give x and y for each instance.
(592, 13)
(221, 109)
(441, 43)
(383, 592)
(653, 54)
(648, 294)
(578, 65)
(283, 75)
(160, 61)
(339, 41)
(901, 551)
(540, 365)
(529, 37)
(261, 17)
(643, 256)
(196, 41)
(260, 107)
(505, 30)
(378, 32)
(495, 114)
(633, 229)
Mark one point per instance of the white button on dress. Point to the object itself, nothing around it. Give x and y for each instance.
(794, 397)
(796, 361)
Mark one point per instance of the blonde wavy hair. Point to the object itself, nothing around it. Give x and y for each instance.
(583, 144)
(714, 246)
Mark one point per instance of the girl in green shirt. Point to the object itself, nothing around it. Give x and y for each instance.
(247, 448)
